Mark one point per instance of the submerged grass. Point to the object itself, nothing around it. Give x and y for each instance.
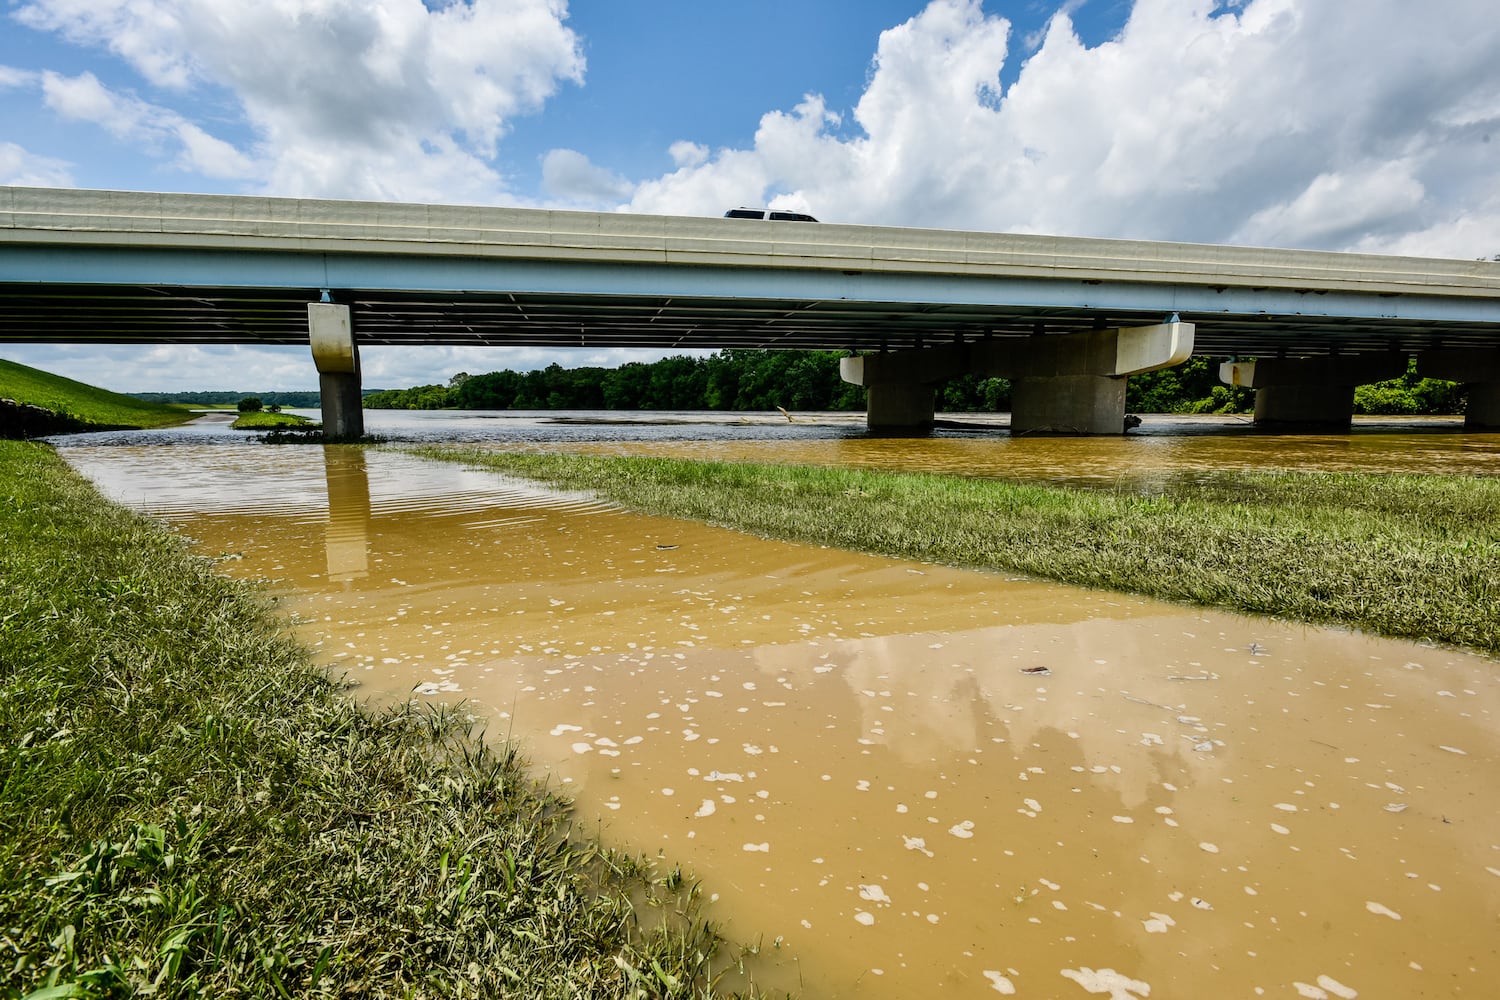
(1408, 556)
(188, 808)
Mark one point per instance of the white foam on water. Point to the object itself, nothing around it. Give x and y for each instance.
(1000, 983)
(1210, 848)
(1310, 992)
(1461, 753)
(1117, 985)
(563, 727)
(1279, 828)
(762, 847)
(706, 809)
(582, 748)
(963, 830)
(1033, 805)
(1123, 819)
(1285, 807)
(1337, 988)
(916, 844)
(1382, 910)
(669, 791)
(862, 917)
(874, 894)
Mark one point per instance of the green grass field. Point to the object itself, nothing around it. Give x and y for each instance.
(84, 403)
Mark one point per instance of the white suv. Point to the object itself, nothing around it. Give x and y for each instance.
(775, 215)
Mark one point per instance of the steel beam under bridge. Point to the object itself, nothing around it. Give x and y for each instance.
(115, 267)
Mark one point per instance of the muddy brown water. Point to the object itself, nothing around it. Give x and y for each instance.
(900, 779)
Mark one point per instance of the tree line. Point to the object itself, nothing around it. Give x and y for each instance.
(742, 379)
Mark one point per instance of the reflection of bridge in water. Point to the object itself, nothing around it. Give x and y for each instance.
(1066, 319)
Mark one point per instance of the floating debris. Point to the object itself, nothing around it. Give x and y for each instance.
(1037, 671)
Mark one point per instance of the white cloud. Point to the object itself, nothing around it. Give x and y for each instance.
(568, 175)
(10, 77)
(25, 169)
(84, 98)
(1295, 122)
(353, 98)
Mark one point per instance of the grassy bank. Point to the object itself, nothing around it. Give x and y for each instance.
(262, 420)
(188, 808)
(88, 405)
(1408, 556)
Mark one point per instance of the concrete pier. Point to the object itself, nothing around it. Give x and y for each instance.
(330, 332)
(1060, 383)
(1478, 368)
(1310, 393)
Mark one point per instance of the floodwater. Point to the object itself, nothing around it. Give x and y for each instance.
(901, 779)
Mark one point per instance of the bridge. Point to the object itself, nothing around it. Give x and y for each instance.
(1066, 319)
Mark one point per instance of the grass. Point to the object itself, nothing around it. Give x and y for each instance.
(188, 808)
(1415, 557)
(261, 420)
(86, 404)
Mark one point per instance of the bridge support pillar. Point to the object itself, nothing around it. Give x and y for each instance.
(331, 334)
(1061, 383)
(1068, 404)
(1309, 393)
(1478, 368)
(900, 386)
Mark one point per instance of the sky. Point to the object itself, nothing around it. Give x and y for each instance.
(1319, 124)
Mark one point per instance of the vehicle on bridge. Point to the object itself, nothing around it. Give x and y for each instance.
(774, 214)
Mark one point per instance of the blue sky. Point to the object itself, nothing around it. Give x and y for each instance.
(1300, 123)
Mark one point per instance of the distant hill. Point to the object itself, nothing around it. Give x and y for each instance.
(43, 403)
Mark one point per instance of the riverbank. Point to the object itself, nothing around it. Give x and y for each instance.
(1406, 556)
(188, 806)
(34, 403)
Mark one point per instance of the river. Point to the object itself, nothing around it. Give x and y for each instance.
(902, 779)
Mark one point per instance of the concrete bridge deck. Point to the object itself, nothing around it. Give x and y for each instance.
(112, 267)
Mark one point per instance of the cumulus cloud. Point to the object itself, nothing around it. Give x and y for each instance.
(84, 98)
(569, 176)
(384, 99)
(1288, 122)
(25, 169)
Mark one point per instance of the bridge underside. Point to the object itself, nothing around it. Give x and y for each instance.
(107, 314)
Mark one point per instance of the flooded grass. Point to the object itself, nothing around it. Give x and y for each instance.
(1406, 556)
(188, 808)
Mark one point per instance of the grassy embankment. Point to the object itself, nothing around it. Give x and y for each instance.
(80, 406)
(188, 808)
(1407, 556)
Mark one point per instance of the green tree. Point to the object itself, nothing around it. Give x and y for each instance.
(250, 404)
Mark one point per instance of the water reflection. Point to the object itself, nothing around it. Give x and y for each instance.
(347, 541)
(920, 780)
